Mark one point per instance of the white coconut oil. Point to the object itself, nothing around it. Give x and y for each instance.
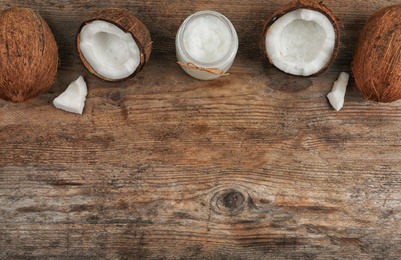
(206, 45)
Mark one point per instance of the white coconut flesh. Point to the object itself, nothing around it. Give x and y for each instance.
(110, 51)
(73, 98)
(301, 42)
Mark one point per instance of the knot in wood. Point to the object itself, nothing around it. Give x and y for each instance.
(229, 202)
(115, 97)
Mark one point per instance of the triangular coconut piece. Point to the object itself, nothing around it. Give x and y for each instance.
(73, 98)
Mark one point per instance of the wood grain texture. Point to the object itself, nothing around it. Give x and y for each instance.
(255, 165)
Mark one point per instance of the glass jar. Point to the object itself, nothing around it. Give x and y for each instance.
(206, 45)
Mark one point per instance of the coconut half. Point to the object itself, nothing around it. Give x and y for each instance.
(113, 44)
(302, 38)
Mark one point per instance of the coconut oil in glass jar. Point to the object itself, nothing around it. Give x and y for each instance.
(206, 45)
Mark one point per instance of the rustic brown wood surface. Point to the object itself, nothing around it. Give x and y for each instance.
(254, 165)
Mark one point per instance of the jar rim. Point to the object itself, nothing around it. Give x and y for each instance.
(234, 37)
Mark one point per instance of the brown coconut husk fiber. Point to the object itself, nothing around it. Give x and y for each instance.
(377, 56)
(28, 55)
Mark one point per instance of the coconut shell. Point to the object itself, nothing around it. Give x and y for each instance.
(310, 5)
(377, 56)
(127, 23)
(28, 55)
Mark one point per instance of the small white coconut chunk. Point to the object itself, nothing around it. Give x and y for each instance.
(73, 98)
(301, 42)
(337, 94)
(110, 51)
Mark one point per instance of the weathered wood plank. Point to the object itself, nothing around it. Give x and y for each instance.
(256, 165)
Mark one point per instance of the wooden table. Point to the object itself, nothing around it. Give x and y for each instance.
(254, 165)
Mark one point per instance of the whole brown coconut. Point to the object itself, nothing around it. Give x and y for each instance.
(106, 49)
(314, 20)
(28, 55)
(377, 56)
